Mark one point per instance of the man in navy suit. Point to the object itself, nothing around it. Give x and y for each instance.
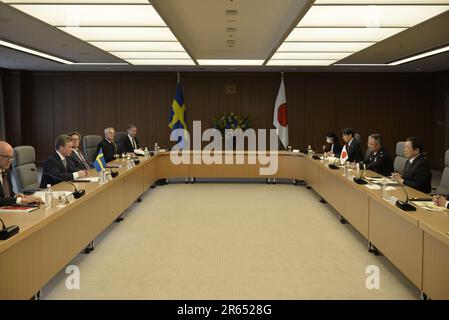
(7, 195)
(353, 147)
(78, 158)
(416, 173)
(59, 166)
(130, 142)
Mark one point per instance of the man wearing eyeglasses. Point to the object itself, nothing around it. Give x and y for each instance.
(7, 195)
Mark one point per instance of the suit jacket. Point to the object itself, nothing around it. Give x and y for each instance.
(77, 163)
(7, 201)
(354, 151)
(55, 167)
(127, 146)
(109, 149)
(336, 150)
(381, 162)
(417, 174)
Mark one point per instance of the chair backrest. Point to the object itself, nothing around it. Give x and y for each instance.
(444, 185)
(400, 160)
(24, 157)
(358, 138)
(90, 144)
(118, 138)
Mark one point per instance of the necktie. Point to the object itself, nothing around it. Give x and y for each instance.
(83, 160)
(134, 144)
(5, 185)
(64, 161)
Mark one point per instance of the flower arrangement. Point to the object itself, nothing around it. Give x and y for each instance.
(231, 121)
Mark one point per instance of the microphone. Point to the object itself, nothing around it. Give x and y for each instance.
(405, 205)
(360, 180)
(76, 194)
(8, 232)
(113, 173)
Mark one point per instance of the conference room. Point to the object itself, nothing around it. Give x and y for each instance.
(224, 150)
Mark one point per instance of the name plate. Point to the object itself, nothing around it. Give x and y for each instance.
(70, 198)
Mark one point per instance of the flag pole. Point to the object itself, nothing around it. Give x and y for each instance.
(179, 77)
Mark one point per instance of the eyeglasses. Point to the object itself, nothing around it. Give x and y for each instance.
(7, 158)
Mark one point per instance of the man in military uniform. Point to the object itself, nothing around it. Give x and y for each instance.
(378, 159)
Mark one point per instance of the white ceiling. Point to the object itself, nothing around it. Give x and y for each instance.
(204, 30)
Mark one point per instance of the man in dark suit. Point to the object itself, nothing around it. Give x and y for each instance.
(416, 171)
(352, 145)
(441, 201)
(379, 159)
(7, 195)
(59, 165)
(107, 145)
(130, 142)
(79, 161)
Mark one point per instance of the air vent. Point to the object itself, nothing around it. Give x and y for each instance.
(231, 13)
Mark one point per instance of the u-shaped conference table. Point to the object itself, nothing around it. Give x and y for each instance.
(416, 242)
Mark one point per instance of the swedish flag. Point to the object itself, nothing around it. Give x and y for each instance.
(100, 163)
(177, 120)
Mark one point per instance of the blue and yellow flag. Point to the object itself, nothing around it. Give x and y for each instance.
(177, 118)
(100, 163)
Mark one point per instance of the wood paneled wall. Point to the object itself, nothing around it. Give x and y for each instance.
(396, 105)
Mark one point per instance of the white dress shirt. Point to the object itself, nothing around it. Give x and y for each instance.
(18, 199)
(75, 174)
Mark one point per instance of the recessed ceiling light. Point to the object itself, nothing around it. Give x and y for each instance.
(310, 55)
(370, 16)
(324, 46)
(93, 15)
(300, 62)
(161, 62)
(150, 55)
(138, 46)
(121, 33)
(342, 34)
(33, 52)
(367, 2)
(230, 62)
(78, 1)
(353, 25)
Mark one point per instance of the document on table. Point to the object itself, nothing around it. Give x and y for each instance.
(429, 205)
(41, 194)
(90, 179)
(377, 187)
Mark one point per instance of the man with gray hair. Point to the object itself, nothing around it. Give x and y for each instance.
(59, 167)
(378, 159)
(7, 195)
(107, 145)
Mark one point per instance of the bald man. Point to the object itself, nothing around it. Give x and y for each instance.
(7, 195)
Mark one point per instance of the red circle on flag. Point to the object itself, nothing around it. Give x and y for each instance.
(282, 114)
(343, 155)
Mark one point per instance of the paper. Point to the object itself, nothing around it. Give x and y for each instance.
(377, 187)
(428, 205)
(19, 209)
(91, 179)
(139, 152)
(41, 194)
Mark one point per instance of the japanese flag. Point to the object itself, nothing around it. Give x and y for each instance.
(344, 155)
(280, 115)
